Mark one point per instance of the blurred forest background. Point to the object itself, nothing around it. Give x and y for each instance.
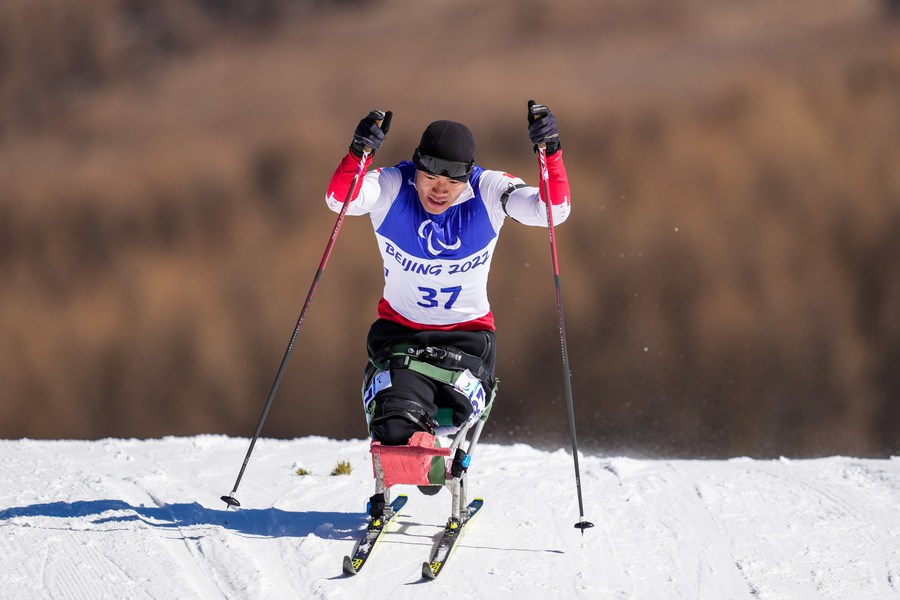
(731, 272)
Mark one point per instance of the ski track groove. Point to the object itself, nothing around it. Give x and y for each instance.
(714, 545)
(202, 586)
(19, 573)
(70, 565)
(207, 577)
(681, 541)
(820, 500)
(837, 509)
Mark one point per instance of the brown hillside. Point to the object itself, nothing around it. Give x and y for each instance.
(730, 271)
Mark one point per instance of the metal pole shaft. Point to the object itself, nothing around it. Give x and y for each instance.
(230, 500)
(567, 375)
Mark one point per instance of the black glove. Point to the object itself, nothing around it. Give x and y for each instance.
(369, 134)
(542, 127)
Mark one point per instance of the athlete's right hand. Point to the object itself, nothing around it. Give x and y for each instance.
(370, 132)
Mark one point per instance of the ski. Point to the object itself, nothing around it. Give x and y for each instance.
(452, 531)
(355, 562)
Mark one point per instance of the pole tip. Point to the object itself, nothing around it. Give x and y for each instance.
(230, 500)
(582, 525)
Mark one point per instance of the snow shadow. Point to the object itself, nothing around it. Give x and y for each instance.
(268, 522)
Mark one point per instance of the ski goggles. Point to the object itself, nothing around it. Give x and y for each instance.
(458, 171)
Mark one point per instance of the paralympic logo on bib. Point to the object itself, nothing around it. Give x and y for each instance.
(434, 239)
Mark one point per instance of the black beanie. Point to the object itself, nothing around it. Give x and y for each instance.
(449, 141)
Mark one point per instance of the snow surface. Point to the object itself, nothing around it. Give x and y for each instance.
(143, 519)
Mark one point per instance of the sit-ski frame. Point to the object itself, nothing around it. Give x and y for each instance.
(456, 485)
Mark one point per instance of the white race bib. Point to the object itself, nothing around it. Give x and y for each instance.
(381, 381)
(470, 386)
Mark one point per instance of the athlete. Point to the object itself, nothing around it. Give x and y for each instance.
(436, 221)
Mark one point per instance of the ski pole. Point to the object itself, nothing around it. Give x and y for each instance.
(379, 117)
(567, 375)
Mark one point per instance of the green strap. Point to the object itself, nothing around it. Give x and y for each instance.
(493, 394)
(429, 370)
(412, 363)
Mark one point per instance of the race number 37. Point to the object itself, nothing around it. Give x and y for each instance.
(431, 298)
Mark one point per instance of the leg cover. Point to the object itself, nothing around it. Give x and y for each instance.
(410, 464)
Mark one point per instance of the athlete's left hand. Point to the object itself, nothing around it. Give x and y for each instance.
(542, 128)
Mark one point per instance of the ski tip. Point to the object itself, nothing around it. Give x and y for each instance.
(348, 566)
(582, 525)
(427, 571)
(230, 501)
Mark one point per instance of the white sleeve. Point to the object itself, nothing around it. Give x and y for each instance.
(508, 195)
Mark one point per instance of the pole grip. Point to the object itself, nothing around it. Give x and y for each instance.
(379, 117)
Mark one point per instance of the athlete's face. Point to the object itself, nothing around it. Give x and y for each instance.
(436, 192)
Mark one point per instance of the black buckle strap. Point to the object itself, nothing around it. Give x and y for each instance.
(376, 506)
(411, 411)
(460, 463)
(448, 357)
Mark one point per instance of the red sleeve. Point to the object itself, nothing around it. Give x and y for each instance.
(558, 179)
(343, 177)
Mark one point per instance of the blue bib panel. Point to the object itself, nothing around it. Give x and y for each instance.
(462, 230)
